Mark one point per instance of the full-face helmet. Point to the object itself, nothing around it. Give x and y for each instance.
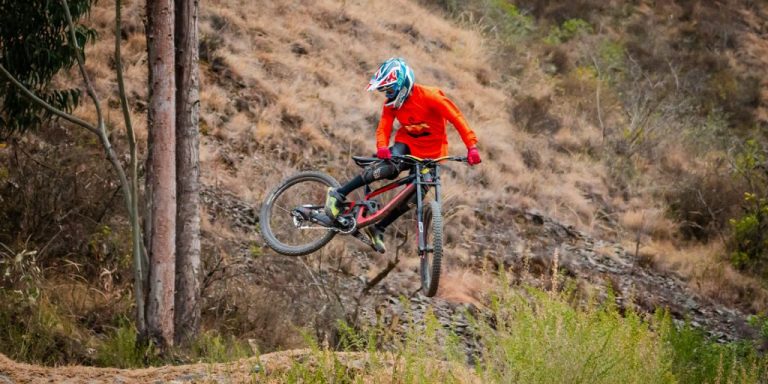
(395, 78)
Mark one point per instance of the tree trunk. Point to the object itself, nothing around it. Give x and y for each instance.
(161, 179)
(187, 172)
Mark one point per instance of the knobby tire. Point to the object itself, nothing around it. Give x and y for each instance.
(431, 262)
(267, 210)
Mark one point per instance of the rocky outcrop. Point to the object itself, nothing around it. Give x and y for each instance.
(608, 265)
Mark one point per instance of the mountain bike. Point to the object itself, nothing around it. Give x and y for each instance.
(293, 220)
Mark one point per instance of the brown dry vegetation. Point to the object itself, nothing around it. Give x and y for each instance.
(282, 90)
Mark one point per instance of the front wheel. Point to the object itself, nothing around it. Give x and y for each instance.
(433, 237)
(287, 232)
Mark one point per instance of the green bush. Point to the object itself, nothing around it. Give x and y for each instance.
(539, 338)
(511, 22)
(35, 332)
(211, 347)
(612, 55)
(567, 31)
(694, 359)
(122, 349)
(499, 17)
(749, 241)
(750, 235)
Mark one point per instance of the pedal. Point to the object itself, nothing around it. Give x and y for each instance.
(362, 237)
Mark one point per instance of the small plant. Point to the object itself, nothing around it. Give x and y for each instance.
(760, 322)
(509, 24)
(695, 359)
(568, 30)
(502, 20)
(612, 55)
(750, 231)
(122, 349)
(255, 250)
(211, 347)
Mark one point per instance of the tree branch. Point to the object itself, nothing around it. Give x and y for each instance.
(597, 97)
(81, 64)
(42, 103)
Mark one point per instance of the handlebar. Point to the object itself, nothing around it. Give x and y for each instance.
(410, 158)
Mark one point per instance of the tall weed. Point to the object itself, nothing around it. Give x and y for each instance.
(531, 336)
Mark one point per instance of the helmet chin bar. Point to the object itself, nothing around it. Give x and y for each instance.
(395, 79)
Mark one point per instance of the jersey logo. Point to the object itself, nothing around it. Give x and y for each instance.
(417, 130)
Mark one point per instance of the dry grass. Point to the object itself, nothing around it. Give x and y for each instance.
(706, 272)
(464, 286)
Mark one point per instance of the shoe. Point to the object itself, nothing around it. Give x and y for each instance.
(334, 202)
(376, 236)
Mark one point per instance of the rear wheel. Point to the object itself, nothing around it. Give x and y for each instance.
(433, 236)
(285, 231)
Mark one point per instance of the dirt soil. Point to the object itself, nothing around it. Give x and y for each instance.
(267, 368)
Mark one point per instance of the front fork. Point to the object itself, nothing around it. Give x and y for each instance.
(423, 182)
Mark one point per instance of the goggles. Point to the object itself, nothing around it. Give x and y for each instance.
(389, 91)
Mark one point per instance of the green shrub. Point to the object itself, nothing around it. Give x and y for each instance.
(749, 241)
(32, 329)
(539, 338)
(501, 18)
(694, 359)
(612, 56)
(35, 331)
(567, 31)
(750, 235)
(122, 349)
(211, 347)
(510, 24)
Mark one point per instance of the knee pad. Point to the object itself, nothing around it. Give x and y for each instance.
(383, 170)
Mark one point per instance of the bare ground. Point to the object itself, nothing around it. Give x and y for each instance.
(264, 368)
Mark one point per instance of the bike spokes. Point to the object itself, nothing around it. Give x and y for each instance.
(297, 213)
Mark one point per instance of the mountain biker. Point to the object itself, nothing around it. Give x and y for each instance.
(422, 112)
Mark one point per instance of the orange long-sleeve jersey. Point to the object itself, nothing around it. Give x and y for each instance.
(422, 123)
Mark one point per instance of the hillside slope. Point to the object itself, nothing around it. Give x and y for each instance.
(283, 90)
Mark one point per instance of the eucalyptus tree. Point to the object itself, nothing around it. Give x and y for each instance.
(38, 39)
(161, 171)
(187, 300)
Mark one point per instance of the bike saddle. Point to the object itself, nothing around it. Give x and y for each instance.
(364, 161)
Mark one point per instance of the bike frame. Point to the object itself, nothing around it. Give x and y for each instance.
(418, 182)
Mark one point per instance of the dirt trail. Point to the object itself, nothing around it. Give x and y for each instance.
(240, 371)
(268, 368)
(255, 369)
(264, 368)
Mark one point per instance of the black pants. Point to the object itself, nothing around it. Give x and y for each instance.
(379, 171)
